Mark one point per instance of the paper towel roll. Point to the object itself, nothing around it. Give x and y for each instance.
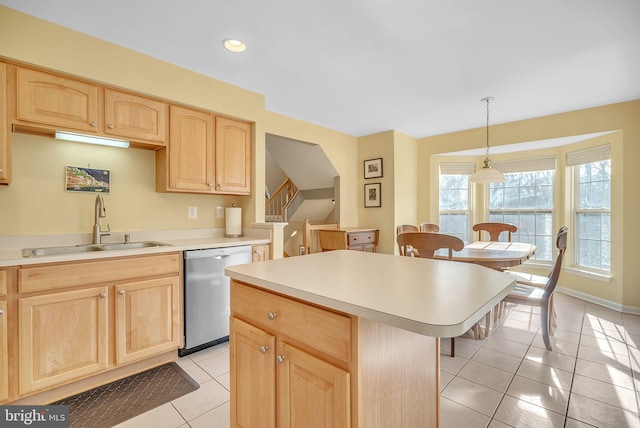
(233, 222)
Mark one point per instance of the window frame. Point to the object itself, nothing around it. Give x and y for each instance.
(575, 210)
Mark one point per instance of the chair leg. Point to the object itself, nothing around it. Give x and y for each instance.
(544, 315)
(487, 322)
(453, 347)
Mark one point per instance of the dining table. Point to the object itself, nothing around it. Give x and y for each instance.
(497, 255)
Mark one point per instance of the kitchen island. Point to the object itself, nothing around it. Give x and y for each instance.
(348, 339)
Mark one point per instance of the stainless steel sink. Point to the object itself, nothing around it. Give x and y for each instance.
(132, 245)
(72, 249)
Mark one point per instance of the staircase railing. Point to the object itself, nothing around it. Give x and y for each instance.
(275, 206)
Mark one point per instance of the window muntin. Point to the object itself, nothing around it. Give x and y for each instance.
(526, 200)
(592, 208)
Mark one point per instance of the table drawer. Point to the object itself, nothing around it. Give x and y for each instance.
(361, 238)
(323, 330)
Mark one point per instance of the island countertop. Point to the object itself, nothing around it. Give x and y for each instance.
(430, 297)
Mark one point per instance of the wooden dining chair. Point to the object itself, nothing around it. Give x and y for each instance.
(404, 228)
(425, 244)
(531, 295)
(494, 230)
(429, 227)
(540, 281)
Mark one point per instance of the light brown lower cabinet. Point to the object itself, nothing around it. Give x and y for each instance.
(260, 253)
(4, 369)
(95, 317)
(62, 337)
(295, 364)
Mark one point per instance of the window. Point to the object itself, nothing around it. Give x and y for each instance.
(525, 199)
(454, 198)
(592, 207)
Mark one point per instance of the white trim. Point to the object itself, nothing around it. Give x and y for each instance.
(599, 301)
(602, 277)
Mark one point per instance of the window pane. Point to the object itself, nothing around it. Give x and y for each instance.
(454, 196)
(527, 202)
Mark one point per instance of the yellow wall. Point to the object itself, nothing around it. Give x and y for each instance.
(624, 288)
(133, 203)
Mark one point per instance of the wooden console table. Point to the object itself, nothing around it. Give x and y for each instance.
(349, 238)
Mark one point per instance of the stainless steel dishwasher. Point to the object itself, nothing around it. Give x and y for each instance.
(206, 295)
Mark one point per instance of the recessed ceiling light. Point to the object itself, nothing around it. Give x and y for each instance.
(234, 45)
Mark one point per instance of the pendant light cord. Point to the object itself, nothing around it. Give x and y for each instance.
(487, 99)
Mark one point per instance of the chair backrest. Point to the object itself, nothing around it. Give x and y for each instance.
(425, 244)
(404, 228)
(552, 281)
(494, 230)
(429, 227)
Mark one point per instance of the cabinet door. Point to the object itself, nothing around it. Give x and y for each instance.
(5, 159)
(135, 117)
(233, 156)
(311, 392)
(253, 385)
(62, 337)
(4, 357)
(58, 101)
(147, 318)
(260, 253)
(191, 150)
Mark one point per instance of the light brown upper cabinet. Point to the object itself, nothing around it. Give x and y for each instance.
(50, 102)
(206, 154)
(5, 164)
(58, 101)
(187, 166)
(233, 156)
(134, 117)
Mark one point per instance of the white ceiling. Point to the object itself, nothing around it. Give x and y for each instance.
(365, 66)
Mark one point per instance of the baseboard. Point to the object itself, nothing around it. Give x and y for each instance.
(599, 301)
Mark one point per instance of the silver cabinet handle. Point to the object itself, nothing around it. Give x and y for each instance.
(219, 186)
(92, 124)
(272, 315)
(0, 170)
(280, 359)
(103, 295)
(263, 349)
(110, 126)
(1, 312)
(121, 292)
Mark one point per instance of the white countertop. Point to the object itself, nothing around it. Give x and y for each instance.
(13, 256)
(431, 297)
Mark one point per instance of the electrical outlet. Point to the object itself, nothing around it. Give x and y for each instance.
(193, 212)
(219, 212)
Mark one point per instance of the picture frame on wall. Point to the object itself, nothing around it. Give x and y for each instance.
(373, 168)
(372, 195)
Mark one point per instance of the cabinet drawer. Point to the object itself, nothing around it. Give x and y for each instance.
(62, 275)
(323, 330)
(360, 238)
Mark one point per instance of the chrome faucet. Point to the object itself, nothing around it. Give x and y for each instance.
(101, 212)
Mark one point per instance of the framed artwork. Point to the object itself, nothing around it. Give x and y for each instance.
(372, 196)
(79, 179)
(373, 168)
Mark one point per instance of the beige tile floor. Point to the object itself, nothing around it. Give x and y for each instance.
(591, 378)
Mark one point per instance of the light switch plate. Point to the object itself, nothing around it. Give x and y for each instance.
(193, 212)
(219, 212)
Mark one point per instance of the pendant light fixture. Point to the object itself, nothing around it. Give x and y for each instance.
(487, 174)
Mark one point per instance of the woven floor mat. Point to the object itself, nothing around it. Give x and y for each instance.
(111, 404)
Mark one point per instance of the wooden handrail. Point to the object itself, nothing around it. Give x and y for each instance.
(279, 200)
